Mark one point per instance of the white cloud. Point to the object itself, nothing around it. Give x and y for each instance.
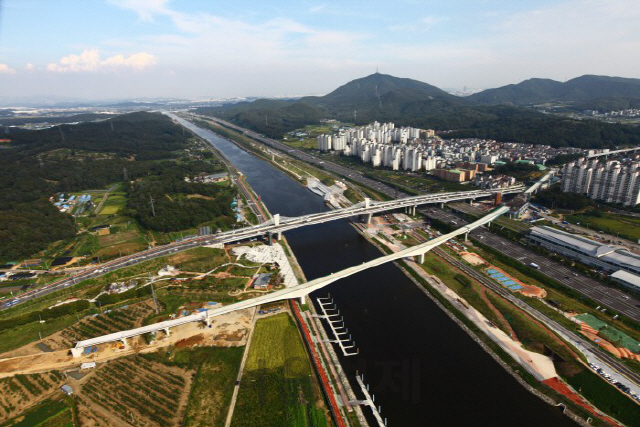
(5, 69)
(89, 60)
(208, 41)
(29, 66)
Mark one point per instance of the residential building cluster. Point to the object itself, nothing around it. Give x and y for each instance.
(610, 181)
(414, 149)
(628, 113)
(67, 203)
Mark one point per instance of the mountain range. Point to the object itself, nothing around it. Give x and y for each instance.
(581, 90)
(500, 113)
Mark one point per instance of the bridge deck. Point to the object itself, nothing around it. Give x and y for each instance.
(296, 291)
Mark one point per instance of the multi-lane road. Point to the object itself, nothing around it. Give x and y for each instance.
(271, 226)
(608, 297)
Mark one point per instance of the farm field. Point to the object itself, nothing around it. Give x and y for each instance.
(55, 412)
(278, 387)
(134, 388)
(127, 317)
(113, 204)
(211, 392)
(23, 391)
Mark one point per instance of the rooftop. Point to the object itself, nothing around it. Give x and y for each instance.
(611, 254)
(627, 277)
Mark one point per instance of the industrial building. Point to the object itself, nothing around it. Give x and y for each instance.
(609, 258)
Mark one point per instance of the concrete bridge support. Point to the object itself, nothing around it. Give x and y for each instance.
(167, 331)
(368, 219)
(303, 299)
(279, 235)
(276, 219)
(466, 237)
(420, 259)
(413, 211)
(77, 351)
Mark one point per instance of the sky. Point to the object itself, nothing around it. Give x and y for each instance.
(132, 49)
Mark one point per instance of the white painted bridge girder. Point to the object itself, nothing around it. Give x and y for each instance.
(293, 292)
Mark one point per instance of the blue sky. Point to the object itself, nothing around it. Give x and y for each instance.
(97, 49)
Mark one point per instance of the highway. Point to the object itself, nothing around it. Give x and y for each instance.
(273, 226)
(609, 153)
(609, 297)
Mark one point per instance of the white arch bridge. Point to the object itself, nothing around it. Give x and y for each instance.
(299, 291)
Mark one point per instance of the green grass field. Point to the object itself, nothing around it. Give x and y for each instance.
(109, 210)
(623, 226)
(276, 343)
(278, 387)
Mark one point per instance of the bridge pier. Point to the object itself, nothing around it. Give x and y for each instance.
(466, 237)
(368, 218)
(303, 300)
(367, 202)
(414, 210)
(420, 259)
(276, 219)
(166, 331)
(124, 343)
(279, 235)
(441, 205)
(77, 351)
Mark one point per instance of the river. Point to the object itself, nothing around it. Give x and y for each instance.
(421, 366)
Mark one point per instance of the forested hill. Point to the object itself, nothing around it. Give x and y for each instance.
(581, 90)
(70, 158)
(411, 103)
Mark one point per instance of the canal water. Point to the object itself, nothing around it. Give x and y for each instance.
(422, 368)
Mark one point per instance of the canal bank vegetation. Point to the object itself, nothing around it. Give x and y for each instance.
(569, 362)
(355, 194)
(559, 295)
(503, 358)
(278, 386)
